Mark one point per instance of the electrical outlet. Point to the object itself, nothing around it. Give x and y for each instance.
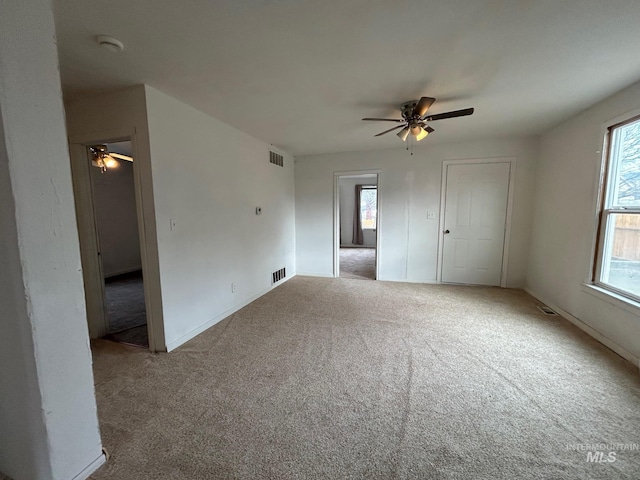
(233, 287)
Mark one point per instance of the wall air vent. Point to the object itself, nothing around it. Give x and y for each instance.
(276, 158)
(546, 310)
(278, 275)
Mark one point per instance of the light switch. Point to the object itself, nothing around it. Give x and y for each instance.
(258, 210)
(172, 224)
(431, 215)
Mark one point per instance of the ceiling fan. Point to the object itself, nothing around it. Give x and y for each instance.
(101, 158)
(414, 119)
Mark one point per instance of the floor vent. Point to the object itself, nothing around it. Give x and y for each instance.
(278, 275)
(546, 310)
(276, 158)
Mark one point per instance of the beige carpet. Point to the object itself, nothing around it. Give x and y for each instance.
(358, 263)
(339, 378)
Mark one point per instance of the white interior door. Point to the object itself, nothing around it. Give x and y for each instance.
(476, 199)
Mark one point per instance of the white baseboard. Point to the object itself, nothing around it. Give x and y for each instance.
(607, 342)
(404, 280)
(92, 467)
(210, 323)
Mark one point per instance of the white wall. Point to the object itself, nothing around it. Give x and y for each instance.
(409, 187)
(347, 187)
(116, 218)
(564, 222)
(48, 421)
(209, 178)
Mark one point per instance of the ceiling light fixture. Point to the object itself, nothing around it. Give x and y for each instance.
(110, 43)
(104, 160)
(403, 134)
(421, 134)
(415, 117)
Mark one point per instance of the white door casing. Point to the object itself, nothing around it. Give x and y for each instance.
(336, 217)
(91, 264)
(476, 201)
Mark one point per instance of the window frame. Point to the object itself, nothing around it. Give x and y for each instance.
(606, 211)
(369, 187)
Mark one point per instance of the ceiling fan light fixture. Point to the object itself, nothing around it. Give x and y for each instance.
(423, 133)
(414, 119)
(110, 162)
(102, 159)
(403, 134)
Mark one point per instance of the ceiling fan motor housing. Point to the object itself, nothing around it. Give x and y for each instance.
(407, 109)
(99, 148)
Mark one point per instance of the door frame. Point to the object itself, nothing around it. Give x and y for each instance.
(336, 216)
(507, 231)
(89, 239)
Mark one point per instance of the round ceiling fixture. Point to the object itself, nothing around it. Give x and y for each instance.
(110, 43)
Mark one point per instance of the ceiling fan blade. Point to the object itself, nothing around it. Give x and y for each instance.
(383, 120)
(121, 157)
(423, 105)
(455, 113)
(429, 129)
(390, 130)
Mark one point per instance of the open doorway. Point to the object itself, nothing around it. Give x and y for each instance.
(108, 211)
(97, 285)
(357, 238)
(114, 199)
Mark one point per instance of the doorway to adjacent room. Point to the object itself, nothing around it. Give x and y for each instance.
(114, 200)
(108, 210)
(357, 215)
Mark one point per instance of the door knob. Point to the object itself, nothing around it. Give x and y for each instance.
(446, 231)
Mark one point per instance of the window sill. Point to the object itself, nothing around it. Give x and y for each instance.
(612, 298)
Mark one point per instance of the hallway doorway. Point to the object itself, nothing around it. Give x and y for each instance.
(114, 204)
(357, 212)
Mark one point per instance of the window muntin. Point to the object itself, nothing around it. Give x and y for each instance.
(368, 207)
(618, 256)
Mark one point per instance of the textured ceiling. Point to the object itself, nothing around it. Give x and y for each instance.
(301, 74)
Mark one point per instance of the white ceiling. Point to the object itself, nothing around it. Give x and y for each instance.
(300, 74)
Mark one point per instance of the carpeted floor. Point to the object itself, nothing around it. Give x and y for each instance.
(358, 263)
(339, 378)
(126, 311)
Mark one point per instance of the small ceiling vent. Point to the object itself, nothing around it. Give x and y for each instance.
(278, 276)
(276, 158)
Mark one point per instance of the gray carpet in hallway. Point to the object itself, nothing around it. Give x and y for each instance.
(339, 378)
(356, 262)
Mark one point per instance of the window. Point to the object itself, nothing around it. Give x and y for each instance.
(368, 207)
(618, 251)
